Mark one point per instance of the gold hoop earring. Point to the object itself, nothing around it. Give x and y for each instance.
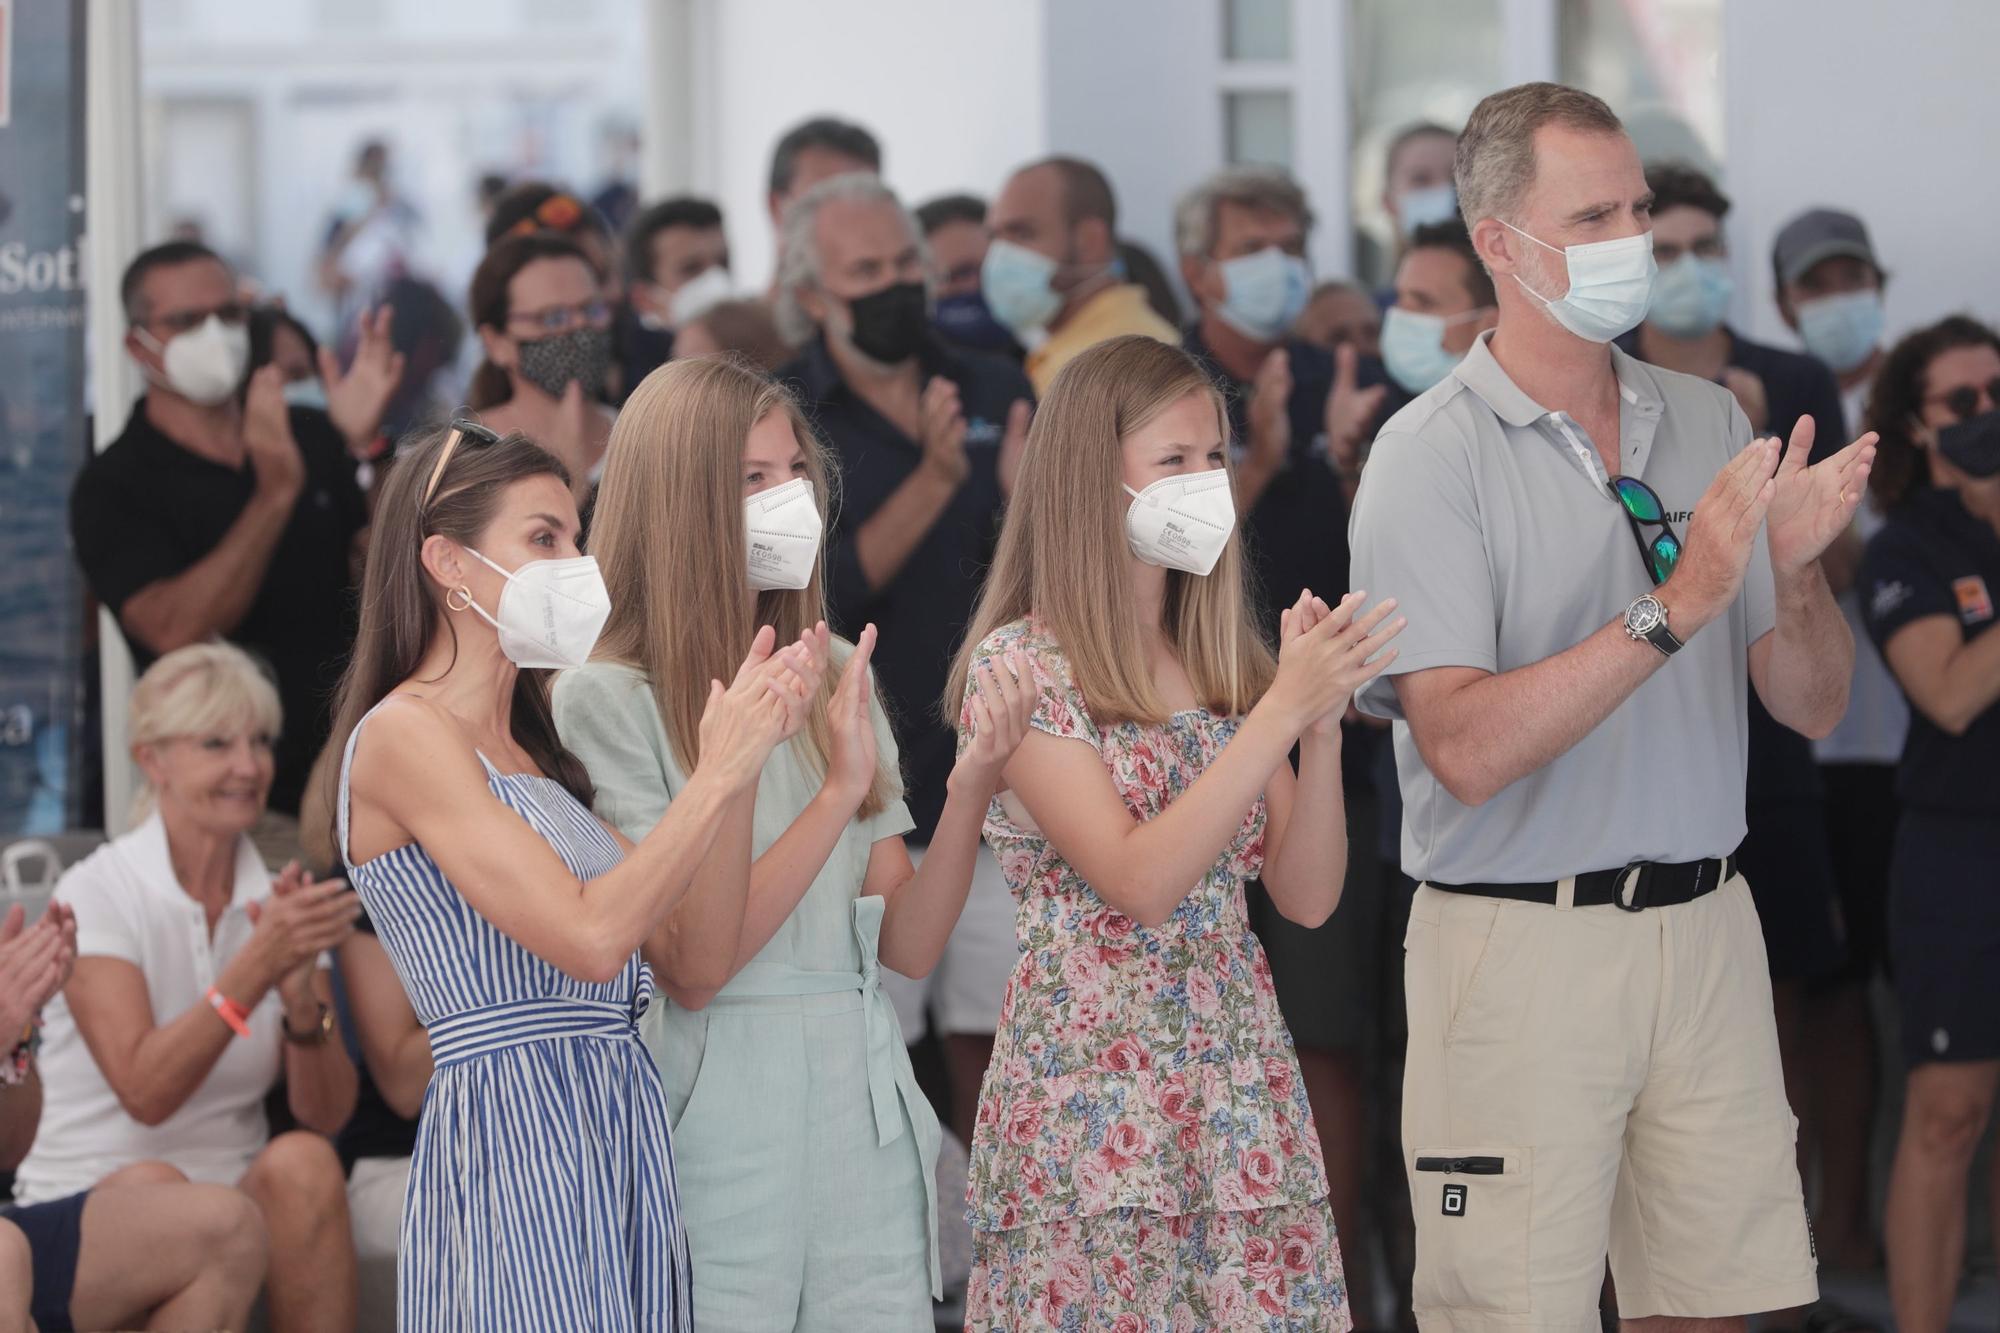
(460, 591)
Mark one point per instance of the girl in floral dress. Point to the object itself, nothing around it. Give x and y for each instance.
(1145, 1158)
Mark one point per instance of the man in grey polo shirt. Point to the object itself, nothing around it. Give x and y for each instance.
(1593, 1062)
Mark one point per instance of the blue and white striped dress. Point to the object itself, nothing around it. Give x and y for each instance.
(542, 1186)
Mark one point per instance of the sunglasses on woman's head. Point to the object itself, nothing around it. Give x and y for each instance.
(1963, 402)
(1643, 510)
(461, 429)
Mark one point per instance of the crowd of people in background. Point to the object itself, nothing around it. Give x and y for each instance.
(247, 1088)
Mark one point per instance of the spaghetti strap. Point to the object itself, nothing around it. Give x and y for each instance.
(526, 1054)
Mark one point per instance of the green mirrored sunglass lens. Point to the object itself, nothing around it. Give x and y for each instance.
(1639, 502)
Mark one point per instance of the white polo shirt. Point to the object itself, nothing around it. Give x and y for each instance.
(129, 906)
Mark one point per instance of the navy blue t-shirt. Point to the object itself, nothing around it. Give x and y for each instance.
(921, 614)
(1932, 558)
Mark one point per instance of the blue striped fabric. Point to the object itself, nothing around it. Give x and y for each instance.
(542, 1187)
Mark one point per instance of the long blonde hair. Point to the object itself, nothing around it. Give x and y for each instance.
(668, 535)
(1063, 556)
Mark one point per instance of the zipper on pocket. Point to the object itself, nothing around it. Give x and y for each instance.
(1468, 1166)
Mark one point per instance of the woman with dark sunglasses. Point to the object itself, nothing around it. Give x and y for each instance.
(1928, 585)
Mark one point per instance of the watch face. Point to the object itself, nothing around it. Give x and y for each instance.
(1645, 616)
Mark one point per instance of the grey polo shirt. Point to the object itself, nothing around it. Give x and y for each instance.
(1491, 519)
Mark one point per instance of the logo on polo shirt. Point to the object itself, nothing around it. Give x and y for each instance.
(1888, 596)
(1975, 604)
(1679, 515)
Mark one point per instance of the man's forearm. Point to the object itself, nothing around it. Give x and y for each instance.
(1491, 732)
(882, 545)
(212, 595)
(1811, 658)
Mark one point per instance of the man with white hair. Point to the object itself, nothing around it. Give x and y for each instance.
(1595, 558)
(926, 437)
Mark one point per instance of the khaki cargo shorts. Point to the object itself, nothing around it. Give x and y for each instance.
(1591, 1080)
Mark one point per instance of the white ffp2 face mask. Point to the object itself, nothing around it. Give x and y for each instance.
(206, 364)
(782, 527)
(1182, 522)
(551, 611)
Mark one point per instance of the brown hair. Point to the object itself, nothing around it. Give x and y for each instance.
(402, 611)
(1063, 553)
(746, 329)
(488, 301)
(668, 534)
(1896, 403)
(1495, 162)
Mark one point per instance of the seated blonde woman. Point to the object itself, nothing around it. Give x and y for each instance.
(200, 985)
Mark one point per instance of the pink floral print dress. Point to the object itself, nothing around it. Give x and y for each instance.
(1144, 1159)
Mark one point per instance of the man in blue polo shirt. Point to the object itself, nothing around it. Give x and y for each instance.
(926, 438)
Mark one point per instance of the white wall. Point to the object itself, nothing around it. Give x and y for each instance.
(952, 90)
(1887, 110)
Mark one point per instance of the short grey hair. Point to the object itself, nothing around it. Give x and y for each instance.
(1494, 166)
(1264, 188)
(798, 243)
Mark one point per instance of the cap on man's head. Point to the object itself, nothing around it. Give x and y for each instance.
(1820, 234)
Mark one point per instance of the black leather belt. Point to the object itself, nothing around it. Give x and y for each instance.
(1638, 886)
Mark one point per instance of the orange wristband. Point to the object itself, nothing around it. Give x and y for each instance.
(231, 1012)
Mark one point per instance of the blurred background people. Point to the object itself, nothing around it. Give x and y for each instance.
(539, 309)
(1928, 585)
(1053, 275)
(954, 227)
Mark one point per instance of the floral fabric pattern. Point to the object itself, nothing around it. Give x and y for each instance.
(1143, 1090)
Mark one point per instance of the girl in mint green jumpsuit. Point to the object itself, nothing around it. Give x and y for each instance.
(806, 1152)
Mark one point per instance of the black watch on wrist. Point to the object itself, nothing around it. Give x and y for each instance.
(1646, 621)
(316, 1035)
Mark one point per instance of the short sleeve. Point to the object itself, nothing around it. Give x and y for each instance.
(606, 717)
(105, 927)
(1898, 586)
(893, 820)
(1760, 589)
(1416, 536)
(1059, 705)
(122, 543)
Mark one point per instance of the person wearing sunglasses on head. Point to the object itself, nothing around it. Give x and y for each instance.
(1928, 584)
(1597, 560)
(541, 1190)
(224, 510)
(538, 305)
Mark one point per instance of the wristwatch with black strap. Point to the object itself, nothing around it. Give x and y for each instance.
(1646, 622)
(316, 1034)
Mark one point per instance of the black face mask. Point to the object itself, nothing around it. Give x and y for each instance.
(889, 325)
(1973, 445)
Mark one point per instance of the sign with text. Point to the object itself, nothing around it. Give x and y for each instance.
(43, 440)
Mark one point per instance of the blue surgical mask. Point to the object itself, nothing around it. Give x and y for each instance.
(1264, 292)
(965, 320)
(307, 392)
(1610, 285)
(1425, 208)
(1691, 297)
(1842, 330)
(1019, 287)
(1413, 349)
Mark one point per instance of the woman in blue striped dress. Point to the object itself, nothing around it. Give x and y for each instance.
(541, 1191)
